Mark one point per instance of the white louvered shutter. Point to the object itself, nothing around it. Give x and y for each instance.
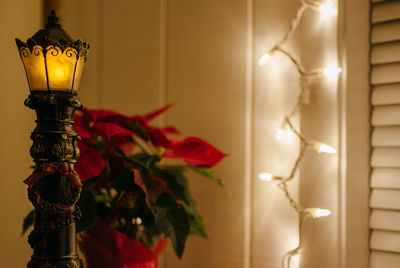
(385, 140)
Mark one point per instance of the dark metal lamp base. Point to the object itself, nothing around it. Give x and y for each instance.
(67, 262)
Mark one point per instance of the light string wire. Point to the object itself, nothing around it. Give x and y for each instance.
(328, 9)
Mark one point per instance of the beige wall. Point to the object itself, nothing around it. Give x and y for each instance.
(319, 180)
(17, 19)
(354, 127)
(201, 55)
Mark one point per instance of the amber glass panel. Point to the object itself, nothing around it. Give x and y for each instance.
(34, 67)
(60, 67)
(78, 72)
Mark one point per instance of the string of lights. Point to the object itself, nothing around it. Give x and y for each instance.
(326, 9)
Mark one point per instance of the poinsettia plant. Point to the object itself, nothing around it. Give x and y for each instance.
(129, 185)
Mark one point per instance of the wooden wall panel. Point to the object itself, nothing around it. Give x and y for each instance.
(354, 127)
(131, 56)
(319, 173)
(80, 19)
(274, 226)
(206, 78)
(17, 19)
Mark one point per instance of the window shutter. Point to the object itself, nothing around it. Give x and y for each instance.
(385, 138)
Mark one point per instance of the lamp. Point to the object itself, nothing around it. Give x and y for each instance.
(53, 64)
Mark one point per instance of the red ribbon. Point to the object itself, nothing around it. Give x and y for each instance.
(50, 168)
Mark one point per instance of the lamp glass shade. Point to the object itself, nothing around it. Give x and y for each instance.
(78, 72)
(52, 60)
(52, 68)
(35, 67)
(61, 67)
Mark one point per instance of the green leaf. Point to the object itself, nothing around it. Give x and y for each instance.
(197, 226)
(28, 221)
(135, 127)
(166, 201)
(175, 224)
(87, 204)
(206, 172)
(103, 198)
(146, 160)
(176, 182)
(179, 187)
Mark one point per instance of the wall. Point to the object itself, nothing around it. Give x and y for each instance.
(17, 19)
(354, 117)
(202, 55)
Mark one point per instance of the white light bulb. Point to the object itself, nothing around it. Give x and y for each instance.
(137, 221)
(323, 148)
(265, 176)
(331, 71)
(318, 212)
(264, 59)
(327, 9)
(279, 134)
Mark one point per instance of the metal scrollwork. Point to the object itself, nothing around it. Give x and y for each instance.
(24, 52)
(53, 50)
(37, 50)
(70, 52)
(54, 146)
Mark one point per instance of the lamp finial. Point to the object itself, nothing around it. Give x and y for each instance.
(53, 20)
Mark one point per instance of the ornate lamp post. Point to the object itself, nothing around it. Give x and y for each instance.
(53, 63)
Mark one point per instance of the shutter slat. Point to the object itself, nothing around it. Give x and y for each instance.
(385, 53)
(385, 157)
(386, 136)
(387, 73)
(385, 199)
(386, 116)
(386, 241)
(386, 94)
(385, 178)
(385, 220)
(384, 260)
(385, 11)
(385, 32)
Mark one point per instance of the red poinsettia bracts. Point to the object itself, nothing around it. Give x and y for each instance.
(116, 130)
(90, 163)
(196, 151)
(105, 247)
